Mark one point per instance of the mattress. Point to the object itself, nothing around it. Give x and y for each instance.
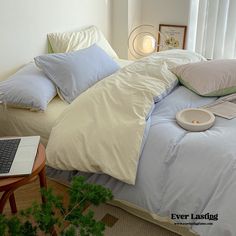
(22, 122)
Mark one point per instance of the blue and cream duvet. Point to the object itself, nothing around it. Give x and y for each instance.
(189, 177)
(103, 128)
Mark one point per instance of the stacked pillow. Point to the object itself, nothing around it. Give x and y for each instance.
(82, 58)
(77, 64)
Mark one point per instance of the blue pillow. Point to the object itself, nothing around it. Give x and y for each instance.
(28, 88)
(75, 72)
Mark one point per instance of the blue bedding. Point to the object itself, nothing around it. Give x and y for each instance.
(182, 172)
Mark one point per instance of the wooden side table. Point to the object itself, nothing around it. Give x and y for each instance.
(10, 184)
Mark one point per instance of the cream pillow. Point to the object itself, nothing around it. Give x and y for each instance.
(84, 38)
(209, 78)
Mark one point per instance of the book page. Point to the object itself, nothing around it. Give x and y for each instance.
(224, 109)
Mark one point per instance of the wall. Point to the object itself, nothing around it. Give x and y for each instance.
(126, 14)
(24, 25)
(137, 12)
(119, 31)
(157, 12)
(134, 18)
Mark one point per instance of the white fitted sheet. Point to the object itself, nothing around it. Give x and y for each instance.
(22, 122)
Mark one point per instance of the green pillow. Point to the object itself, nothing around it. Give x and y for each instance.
(208, 78)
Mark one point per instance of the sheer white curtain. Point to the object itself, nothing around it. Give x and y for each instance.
(212, 28)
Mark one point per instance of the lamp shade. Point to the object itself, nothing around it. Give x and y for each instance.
(142, 41)
(148, 44)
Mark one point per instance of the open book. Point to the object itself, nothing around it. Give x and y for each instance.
(224, 107)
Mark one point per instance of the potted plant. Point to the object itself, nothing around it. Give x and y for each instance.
(52, 218)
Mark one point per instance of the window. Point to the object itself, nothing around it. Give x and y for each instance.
(212, 28)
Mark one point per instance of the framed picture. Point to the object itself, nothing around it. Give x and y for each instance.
(171, 37)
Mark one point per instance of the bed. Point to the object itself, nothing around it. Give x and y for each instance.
(172, 160)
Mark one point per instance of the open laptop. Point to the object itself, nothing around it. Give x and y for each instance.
(17, 155)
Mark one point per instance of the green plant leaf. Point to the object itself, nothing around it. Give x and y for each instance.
(45, 217)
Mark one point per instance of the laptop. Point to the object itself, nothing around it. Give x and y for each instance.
(17, 155)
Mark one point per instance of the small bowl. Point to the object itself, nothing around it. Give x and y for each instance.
(194, 119)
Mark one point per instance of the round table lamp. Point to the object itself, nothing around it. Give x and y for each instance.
(143, 41)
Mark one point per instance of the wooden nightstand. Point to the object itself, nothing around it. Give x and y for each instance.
(10, 184)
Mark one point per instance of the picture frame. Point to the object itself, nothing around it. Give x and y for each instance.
(171, 37)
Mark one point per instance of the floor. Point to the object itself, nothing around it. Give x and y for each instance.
(119, 222)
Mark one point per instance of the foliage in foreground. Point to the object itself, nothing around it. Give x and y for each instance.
(52, 218)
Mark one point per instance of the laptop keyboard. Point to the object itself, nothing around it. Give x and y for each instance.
(8, 150)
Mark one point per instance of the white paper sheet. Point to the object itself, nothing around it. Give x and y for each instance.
(224, 107)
